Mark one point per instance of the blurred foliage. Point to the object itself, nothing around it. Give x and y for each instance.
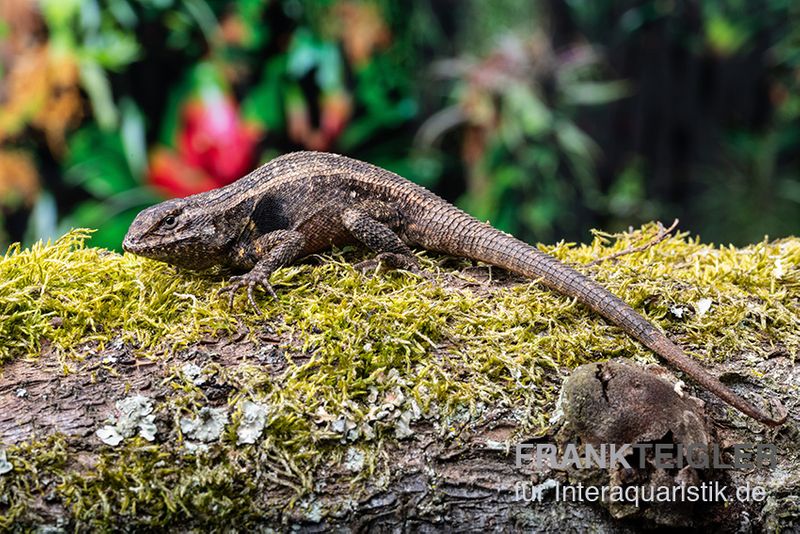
(515, 108)
(758, 171)
(711, 133)
(545, 118)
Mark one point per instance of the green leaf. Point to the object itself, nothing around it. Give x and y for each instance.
(302, 54)
(111, 49)
(96, 84)
(132, 132)
(42, 220)
(112, 217)
(123, 13)
(88, 214)
(507, 177)
(97, 163)
(90, 16)
(725, 36)
(628, 192)
(264, 103)
(172, 112)
(59, 13)
(527, 110)
(544, 158)
(158, 4)
(307, 52)
(422, 168)
(329, 67)
(593, 93)
(542, 213)
(574, 141)
(204, 16)
(251, 13)
(363, 128)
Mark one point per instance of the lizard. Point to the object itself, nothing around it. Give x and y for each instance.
(303, 203)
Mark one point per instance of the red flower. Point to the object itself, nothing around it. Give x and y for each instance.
(174, 177)
(213, 137)
(214, 145)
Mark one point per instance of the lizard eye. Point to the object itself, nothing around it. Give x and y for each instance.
(169, 222)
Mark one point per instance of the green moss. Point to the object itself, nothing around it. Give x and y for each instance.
(367, 355)
(68, 294)
(137, 486)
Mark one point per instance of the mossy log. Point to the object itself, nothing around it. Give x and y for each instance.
(132, 398)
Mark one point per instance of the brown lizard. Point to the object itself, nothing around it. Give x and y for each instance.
(305, 202)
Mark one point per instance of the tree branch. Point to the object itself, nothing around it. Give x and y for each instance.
(661, 236)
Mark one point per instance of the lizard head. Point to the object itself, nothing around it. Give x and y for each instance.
(182, 232)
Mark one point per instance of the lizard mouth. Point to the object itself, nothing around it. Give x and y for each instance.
(129, 244)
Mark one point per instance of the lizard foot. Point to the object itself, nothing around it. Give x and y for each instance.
(250, 281)
(387, 261)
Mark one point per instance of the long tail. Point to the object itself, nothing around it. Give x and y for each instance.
(471, 238)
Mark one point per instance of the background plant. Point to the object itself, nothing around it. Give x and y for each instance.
(546, 118)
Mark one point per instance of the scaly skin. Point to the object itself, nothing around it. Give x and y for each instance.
(305, 202)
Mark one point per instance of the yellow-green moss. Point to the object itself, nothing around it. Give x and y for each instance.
(446, 349)
(68, 293)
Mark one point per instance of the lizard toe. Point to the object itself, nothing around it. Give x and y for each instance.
(250, 298)
(268, 288)
(249, 281)
(235, 283)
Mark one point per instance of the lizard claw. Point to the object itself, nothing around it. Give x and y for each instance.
(266, 286)
(250, 281)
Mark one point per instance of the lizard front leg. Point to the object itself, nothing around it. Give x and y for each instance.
(370, 223)
(269, 252)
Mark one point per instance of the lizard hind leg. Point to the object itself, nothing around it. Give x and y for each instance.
(370, 225)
